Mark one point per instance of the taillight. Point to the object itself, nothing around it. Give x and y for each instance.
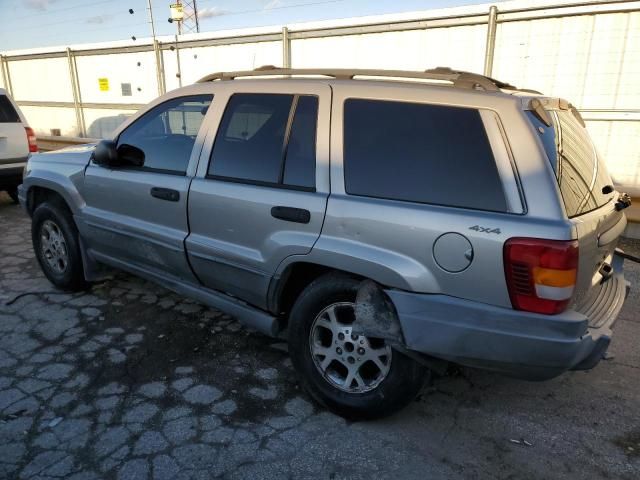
(541, 274)
(31, 138)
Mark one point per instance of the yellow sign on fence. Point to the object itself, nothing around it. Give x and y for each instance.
(103, 83)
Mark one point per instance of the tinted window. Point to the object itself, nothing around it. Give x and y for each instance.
(300, 166)
(250, 139)
(8, 114)
(580, 174)
(259, 141)
(167, 133)
(420, 153)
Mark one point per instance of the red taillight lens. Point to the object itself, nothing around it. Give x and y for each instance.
(31, 138)
(541, 274)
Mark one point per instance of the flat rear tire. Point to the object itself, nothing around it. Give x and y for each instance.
(356, 377)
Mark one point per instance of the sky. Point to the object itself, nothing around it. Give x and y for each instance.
(41, 23)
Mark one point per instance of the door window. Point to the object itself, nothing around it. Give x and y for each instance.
(267, 139)
(166, 134)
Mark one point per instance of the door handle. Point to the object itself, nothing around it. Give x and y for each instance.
(290, 214)
(165, 194)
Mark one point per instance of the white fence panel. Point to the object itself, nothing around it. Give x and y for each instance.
(46, 119)
(44, 79)
(586, 52)
(138, 70)
(457, 47)
(101, 123)
(197, 62)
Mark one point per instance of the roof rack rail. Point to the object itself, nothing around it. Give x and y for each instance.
(457, 78)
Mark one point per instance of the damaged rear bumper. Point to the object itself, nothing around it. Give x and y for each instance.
(520, 344)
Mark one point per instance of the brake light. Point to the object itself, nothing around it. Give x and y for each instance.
(31, 138)
(541, 274)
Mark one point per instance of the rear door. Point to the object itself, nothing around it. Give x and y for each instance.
(261, 190)
(13, 138)
(581, 177)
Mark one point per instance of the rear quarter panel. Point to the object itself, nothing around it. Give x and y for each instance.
(392, 241)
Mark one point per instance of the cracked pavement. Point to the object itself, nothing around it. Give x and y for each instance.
(130, 381)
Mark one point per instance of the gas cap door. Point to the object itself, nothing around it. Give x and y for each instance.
(453, 252)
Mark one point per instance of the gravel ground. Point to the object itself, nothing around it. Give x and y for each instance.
(130, 381)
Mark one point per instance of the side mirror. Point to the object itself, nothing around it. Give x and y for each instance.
(107, 155)
(130, 155)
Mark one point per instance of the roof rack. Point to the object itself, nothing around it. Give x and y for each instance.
(459, 79)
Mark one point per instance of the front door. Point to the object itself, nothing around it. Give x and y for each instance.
(137, 216)
(262, 185)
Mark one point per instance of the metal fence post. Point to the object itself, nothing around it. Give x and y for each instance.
(80, 103)
(491, 40)
(6, 75)
(177, 63)
(286, 48)
(159, 68)
(75, 89)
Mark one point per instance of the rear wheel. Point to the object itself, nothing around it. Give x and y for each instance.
(355, 376)
(55, 243)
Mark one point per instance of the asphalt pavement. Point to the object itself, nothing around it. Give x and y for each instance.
(131, 381)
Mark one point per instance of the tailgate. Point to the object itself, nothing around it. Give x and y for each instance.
(587, 193)
(598, 233)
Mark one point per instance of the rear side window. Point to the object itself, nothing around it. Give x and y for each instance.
(267, 139)
(8, 114)
(420, 153)
(580, 173)
(300, 164)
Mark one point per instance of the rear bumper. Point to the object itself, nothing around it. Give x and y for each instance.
(520, 344)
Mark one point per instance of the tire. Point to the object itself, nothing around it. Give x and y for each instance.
(374, 394)
(55, 236)
(13, 194)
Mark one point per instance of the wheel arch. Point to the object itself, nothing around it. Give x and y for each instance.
(293, 278)
(40, 189)
(39, 192)
(37, 195)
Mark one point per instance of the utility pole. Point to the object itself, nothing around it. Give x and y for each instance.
(153, 25)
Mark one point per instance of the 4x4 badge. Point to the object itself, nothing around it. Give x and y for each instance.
(478, 228)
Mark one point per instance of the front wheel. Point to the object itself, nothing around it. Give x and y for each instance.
(354, 376)
(57, 248)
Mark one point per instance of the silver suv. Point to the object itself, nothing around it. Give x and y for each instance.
(391, 221)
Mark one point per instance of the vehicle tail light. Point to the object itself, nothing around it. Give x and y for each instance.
(31, 138)
(541, 274)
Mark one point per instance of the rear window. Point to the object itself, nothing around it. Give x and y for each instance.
(8, 114)
(420, 153)
(580, 173)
